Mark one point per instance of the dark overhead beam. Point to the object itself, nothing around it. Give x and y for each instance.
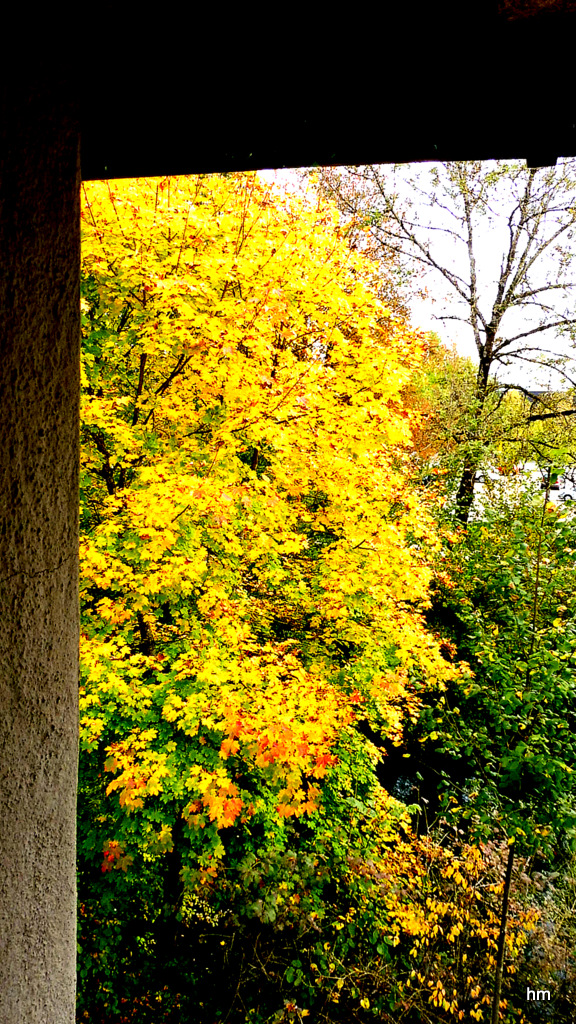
(221, 92)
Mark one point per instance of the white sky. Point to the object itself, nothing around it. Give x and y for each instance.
(426, 313)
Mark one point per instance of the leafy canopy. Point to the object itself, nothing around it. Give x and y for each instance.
(253, 564)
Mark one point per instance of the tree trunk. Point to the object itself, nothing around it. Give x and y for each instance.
(465, 493)
(502, 939)
(169, 930)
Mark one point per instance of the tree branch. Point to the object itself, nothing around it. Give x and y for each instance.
(136, 412)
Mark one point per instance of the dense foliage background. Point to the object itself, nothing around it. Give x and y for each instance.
(316, 712)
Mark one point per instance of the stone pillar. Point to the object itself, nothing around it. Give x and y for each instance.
(39, 392)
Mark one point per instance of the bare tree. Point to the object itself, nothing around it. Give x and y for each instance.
(518, 302)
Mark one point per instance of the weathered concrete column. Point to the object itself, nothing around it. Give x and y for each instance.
(39, 388)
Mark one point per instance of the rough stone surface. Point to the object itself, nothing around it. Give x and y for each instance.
(39, 389)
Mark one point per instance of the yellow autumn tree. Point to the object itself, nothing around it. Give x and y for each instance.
(246, 519)
(255, 565)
